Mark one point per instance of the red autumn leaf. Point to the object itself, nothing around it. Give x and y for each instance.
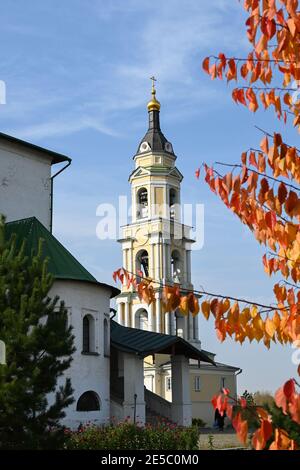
(197, 173)
(291, 202)
(280, 400)
(116, 274)
(232, 69)
(243, 402)
(213, 71)
(271, 28)
(205, 65)
(270, 219)
(244, 158)
(241, 428)
(244, 174)
(222, 60)
(252, 159)
(229, 410)
(214, 401)
(289, 389)
(267, 429)
(262, 435)
(294, 408)
(264, 145)
(282, 193)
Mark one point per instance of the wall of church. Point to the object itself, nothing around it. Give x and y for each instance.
(24, 184)
(204, 384)
(89, 372)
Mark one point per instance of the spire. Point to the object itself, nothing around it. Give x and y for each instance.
(153, 104)
(154, 138)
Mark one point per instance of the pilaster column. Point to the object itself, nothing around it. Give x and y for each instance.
(127, 314)
(119, 313)
(152, 261)
(158, 313)
(157, 261)
(186, 327)
(133, 319)
(172, 323)
(184, 280)
(181, 394)
(196, 327)
(167, 261)
(191, 327)
(134, 396)
(151, 324)
(125, 258)
(130, 261)
(188, 266)
(167, 323)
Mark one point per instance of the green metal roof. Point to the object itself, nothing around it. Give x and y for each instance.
(61, 263)
(144, 343)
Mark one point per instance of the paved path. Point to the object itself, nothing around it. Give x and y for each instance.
(213, 439)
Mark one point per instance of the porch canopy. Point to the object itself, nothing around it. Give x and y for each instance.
(145, 343)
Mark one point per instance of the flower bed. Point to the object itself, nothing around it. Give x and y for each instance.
(164, 436)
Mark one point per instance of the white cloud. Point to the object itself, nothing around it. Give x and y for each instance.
(168, 39)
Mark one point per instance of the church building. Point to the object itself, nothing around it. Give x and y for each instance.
(158, 245)
(140, 364)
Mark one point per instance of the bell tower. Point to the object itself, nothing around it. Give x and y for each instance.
(156, 243)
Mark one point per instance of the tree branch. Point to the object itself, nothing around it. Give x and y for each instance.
(258, 173)
(268, 308)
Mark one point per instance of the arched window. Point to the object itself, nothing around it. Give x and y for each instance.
(173, 202)
(142, 203)
(106, 338)
(142, 320)
(176, 266)
(89, 401)
(88, 334)
(142, 263)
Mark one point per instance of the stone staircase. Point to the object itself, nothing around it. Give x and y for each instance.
(157, 408)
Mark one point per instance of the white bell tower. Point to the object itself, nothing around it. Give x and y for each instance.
(156, 243)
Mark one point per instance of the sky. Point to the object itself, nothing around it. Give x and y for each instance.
(77, 82)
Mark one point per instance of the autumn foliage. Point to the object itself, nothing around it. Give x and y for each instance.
(262, 190)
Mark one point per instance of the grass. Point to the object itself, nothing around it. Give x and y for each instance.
(211, 439)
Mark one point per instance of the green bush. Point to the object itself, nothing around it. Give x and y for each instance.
(164, 436)
(280, 420)
(198, 422)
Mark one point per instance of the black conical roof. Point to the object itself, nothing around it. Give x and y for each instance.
(154, 136)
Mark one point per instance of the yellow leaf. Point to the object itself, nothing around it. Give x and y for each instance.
(254, 311)
(226, 305)
(205, 308)
(276, 320)
(270, 327)
(184, 305)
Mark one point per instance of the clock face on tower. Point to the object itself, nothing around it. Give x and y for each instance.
(168, 147)
(144, 147)
(141, 236)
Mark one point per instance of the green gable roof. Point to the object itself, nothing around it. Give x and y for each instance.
(61, 263)
(144, 343)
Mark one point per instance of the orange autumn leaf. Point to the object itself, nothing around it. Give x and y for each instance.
(205, 65)
(241, 427)
(205, 308)
(270, 327)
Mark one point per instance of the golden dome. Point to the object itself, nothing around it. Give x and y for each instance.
(154, 104)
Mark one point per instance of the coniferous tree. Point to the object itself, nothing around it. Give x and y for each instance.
(39, 348)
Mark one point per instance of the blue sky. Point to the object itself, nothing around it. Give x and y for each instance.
(77, 76)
